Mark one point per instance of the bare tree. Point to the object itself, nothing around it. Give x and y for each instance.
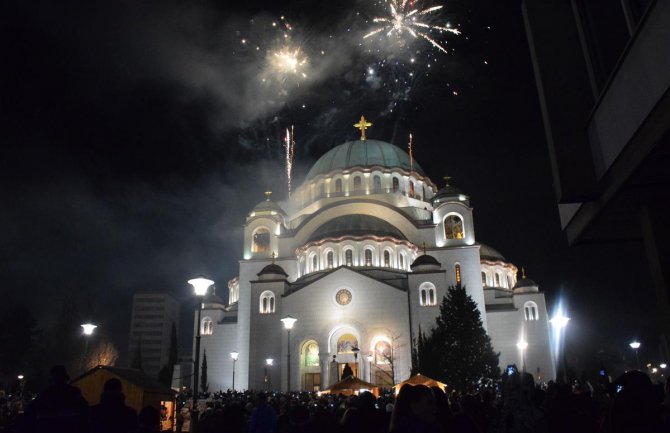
(103, 354)
(385, 358)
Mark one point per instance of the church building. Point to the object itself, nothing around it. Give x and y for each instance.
(361, 255)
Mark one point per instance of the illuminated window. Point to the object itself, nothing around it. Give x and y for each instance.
(329, 259)
(383, 352)
(396, 184)
(509, 282)
(267, 302)
(261, 241)
(322, 190)
(311, 354)
(357, 183)
(346, 343)
(411, 189)
(457, 270)
(368, 257)
(348, 258)
(338, 185)
(387, 259)
(401, 261)
(497, 279)
(315, 263)
(377, 183)
(453, 227)
(207, 326)
(530, 311)
(483, 278)
(427, 295)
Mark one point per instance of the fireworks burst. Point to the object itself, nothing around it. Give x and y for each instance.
(289, 146)
(405, 17)
(288, 61)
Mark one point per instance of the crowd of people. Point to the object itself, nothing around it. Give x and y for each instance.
(516, 404)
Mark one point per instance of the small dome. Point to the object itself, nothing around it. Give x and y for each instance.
(363, 153)
(425, 260)
(355, 225)
(488, 253)
(525, 282)
(272, 269)
(269, 205)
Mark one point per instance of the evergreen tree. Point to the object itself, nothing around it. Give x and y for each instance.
(204, 386)
(458, 351)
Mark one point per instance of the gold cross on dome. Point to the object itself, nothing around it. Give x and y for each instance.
(446, 180)
(267, 195)
(273, 255)
(363, 125)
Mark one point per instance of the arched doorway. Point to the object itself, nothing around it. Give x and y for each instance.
(310, 368)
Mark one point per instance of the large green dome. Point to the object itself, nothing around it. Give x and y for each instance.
(363, 153)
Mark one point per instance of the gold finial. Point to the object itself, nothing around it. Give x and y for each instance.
(446, 180)
(273, 255)
(424, 248)
(267, 195)
(362, 125)
(523, 272)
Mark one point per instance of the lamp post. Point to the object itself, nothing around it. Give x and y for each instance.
(356, 350)
(560, 322)
(635, 345)
(370, 358)
(200, 286)
(22, 384)
(268, 364)
(233, 356)
(288, 322)
(522, 346)
(88, 329)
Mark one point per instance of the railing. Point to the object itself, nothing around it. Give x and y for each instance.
(362, 192)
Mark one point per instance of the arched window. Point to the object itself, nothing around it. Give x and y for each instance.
(368, 257)
(387, 259)
(329, 259)
(322, 190)
(207, 326)
(530, 311)
(267, 302)
(377, 183)
(411, 189)
(483, 278)
(427, 295)
(383, 352)
(349, 257)
(357, 183)
(346, 343)
(453, 227)
(315, 263)
(311, 354)
(401, 260)
(338, 185)
(509, 282)
(261, 240)
(497, 279)
(457, 271)
(396, 184)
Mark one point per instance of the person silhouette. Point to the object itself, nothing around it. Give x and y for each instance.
(347, 371)
(112, 415)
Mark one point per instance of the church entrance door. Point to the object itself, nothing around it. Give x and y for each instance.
(312, 382)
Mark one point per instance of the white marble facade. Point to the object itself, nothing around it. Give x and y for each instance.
(361, 255)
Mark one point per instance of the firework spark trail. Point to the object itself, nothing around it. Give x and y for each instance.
(289, 145)
(405, 19)
(411, 159)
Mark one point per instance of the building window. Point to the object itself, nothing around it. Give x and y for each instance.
(530, 311)
(357, 183)
(453, 227)
(383, 352)
(497, 279)
(401, 261)
(261, 241)
(387, 259)
(368, 257)
(329, 259)
(457, 271)
(377, 183)
(207, 327)
(267, 302)
(322, 190)
(427, 295)
(338, 185)
(396, 184)
(509, 282)
(315, 263)
(311, 353)
(483, 278)
(349, 257)
(346, 343)
(411, 189)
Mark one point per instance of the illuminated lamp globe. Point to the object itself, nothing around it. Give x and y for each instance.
(663, 365)
(288, 322)
(89, 328)
(635, 345)
(369, 358)
(200, 285)
(269, 361)
(234, 355)
(20, 377)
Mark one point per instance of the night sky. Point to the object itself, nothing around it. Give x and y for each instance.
(137, 135)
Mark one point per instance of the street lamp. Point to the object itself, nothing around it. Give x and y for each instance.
(369, 359)
(200, 286)
(268, 364)
(560, 322)
(663, 365)
(88, 329)
(522, 346)
(234, 355)
(635, 345)
(288, 322)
